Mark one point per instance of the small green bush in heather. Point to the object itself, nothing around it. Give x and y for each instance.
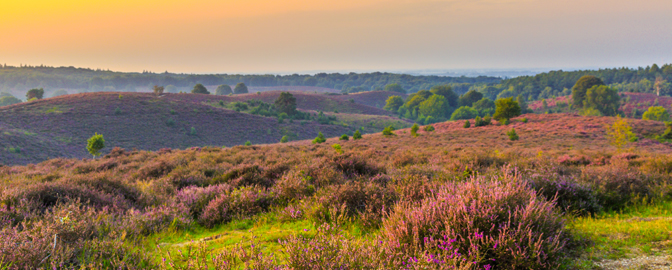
(504, 122)
(344, 137)
(428, 128)
(512, 134)
(467, 124)
(524, 120)
(117, 111)
(284, 139)
(337, 148)
(319, 139)
(95, 144)
(173, 112)
(357, 135)
(192, 132)
(248, 143)
(414, 130)
(388, 131)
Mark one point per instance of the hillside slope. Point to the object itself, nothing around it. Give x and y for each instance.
(307, 101)
(58, 127)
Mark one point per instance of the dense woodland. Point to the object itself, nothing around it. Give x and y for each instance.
(50, 78)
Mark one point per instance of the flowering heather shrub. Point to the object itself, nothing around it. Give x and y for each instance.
(155, 169)
(244, 175)
(352, 165)
(497, 222)
(46, 195)
(196, 198)
(240, 203)
(294, 185)
(573, 160)
(568, 193)
(617, 185)
(156, 218)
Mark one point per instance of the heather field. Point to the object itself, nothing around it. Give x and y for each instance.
(559, 197)
(56, 127)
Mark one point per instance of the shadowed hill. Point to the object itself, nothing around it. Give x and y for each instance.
(58, 127)
(307, 101)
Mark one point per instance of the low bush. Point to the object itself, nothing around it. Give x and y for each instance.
(497, 223)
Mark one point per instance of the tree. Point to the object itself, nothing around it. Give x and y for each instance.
(393, 103)
(37, 93)
(320, 138)
(414, 130)
(286, 103)
(240, 88)
(523, 104)
(200, 89)
(467, 124)
(602, 98)
(95, 144)
(357, 135)
(464, 112)
(581, 87)
(620, 133)
(447, 92)
(656, 113)
(413, 101)
(485, 106)
(223, 90)
(158, 90)
(284, 139)
(469, 98)
(395, 87)
(9, 100)
(344, 137)
(435, 106)
(506, 108)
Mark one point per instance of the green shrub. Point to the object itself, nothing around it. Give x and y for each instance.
(117, 111)
(428, 128)
(173, 112)
(504, 122)
(319, 139)
(170, 122)
(388, 131)
(95, 144)
(284, 139)
(524, 120)
(414, 130)
(467, 124)
(512, 134)
(344, 137)
(248, 143)
(357, 135)
(337, 148)
(192, 132)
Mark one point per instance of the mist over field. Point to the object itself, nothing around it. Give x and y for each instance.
(381, 134)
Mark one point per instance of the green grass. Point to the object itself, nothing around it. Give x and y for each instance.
(644, 229)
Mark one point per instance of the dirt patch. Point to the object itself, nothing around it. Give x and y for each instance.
(640, 263)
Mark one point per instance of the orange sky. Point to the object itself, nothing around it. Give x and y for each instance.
(299, 35)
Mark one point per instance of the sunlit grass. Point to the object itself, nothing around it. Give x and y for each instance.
(645, 229)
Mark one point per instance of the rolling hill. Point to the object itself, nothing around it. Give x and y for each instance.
(629, 102)
(58, 127)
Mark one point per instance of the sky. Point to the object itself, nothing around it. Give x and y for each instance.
(280, 36)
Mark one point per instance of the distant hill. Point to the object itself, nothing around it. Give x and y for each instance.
(58, 127)
(629, 102)
(312, 102)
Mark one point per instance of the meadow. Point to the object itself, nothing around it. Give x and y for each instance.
(559, 197)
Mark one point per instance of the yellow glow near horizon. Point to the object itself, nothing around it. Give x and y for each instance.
(274, 35)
